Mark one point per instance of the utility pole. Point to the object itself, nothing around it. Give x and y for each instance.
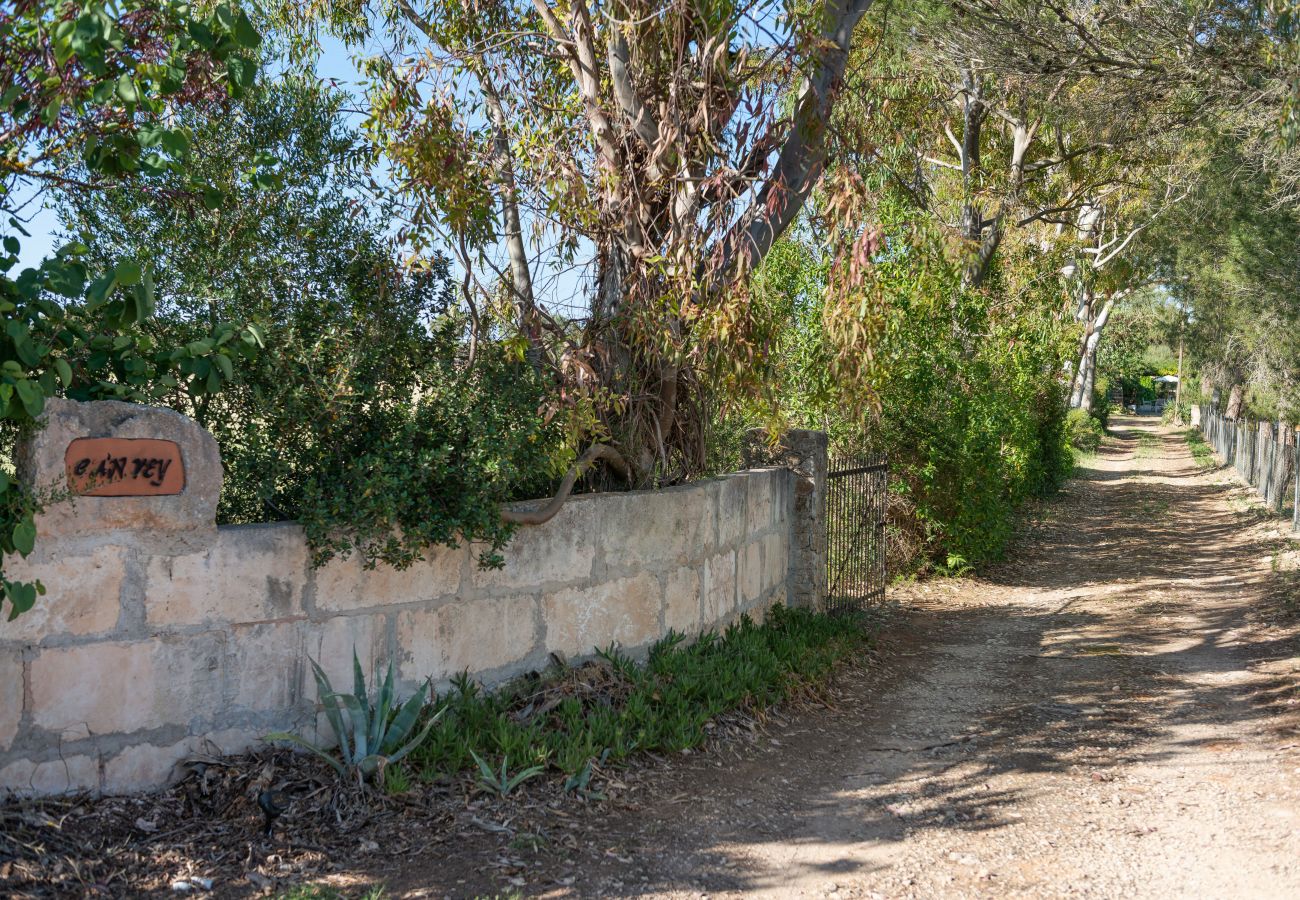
(1178, 388)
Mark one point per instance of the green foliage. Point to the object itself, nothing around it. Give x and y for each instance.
(99, 81)
(609, 710)
(371, 733)
(503, 783)
(369, 424)
(1202, 452)
(962, 390)
(67, 335)
(97, 84)
(1083, 430)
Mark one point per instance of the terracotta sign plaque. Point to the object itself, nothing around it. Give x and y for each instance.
(124, 467)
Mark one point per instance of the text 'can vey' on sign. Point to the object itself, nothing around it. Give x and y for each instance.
(124, 467)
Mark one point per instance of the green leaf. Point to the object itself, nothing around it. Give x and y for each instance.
(245, 33)
(176, 142)
(127, 272)
(332, 710)
(358, 678)
(126, 90)
(24, 536)
(419, 738)
(360, 725)
(22, 596)
(144, 299)
(224, 364)
(242, 72)
(379, 718)
(33, 399)
(406, 717)
(202, 34)
(64, 370)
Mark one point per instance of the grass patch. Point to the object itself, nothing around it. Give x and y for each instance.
(1082, 459)
(1202, 453)
(568, 718)
(1148, 445)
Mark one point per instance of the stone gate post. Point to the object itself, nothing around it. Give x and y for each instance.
(805, 453)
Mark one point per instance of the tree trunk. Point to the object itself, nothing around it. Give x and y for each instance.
(1080, 378)
(1236, 401)
(1178, 388)
(1085, 402)
(1084, 376)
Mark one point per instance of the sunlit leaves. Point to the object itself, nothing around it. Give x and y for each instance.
(98, 78)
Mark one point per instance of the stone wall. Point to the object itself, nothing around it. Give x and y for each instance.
(148, 648)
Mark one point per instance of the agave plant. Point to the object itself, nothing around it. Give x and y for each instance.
(370, 734)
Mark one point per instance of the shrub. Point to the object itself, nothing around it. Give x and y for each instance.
(1084, 431)
(371, 733)
(366, 420)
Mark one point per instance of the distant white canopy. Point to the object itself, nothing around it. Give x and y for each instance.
(1166, 379)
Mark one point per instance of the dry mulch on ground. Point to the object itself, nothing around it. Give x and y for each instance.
(211, 833)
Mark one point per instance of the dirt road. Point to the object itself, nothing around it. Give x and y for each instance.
(1112, 713)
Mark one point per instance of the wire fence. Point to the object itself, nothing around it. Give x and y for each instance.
(1266, 454)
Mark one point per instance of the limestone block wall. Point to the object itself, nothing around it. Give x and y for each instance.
(144, 652)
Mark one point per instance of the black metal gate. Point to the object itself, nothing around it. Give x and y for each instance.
(856, 493)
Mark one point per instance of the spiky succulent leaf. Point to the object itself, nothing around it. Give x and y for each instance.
(379, 717)
(358, 682)
(308, 745)
(332, 713)
(360, 724)
(419, 738)
(405, 720)
(530, 772)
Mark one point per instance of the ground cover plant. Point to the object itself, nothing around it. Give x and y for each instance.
(1201, 451)
(605, 710)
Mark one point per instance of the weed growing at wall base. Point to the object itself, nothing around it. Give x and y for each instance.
(609, 708)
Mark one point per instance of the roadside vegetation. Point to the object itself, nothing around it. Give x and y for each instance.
(1202, 452)
(571, 720)
(604, 711)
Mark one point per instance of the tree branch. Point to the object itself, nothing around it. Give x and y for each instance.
(553, 506)
(643, 120)
(799, 163)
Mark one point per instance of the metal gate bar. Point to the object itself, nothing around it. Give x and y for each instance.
(856, 495)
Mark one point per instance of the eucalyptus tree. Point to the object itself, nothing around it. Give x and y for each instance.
(1107, 104)
(658, 148)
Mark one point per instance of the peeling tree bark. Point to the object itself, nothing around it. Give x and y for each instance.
(1085, 372)
(1236, 401)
